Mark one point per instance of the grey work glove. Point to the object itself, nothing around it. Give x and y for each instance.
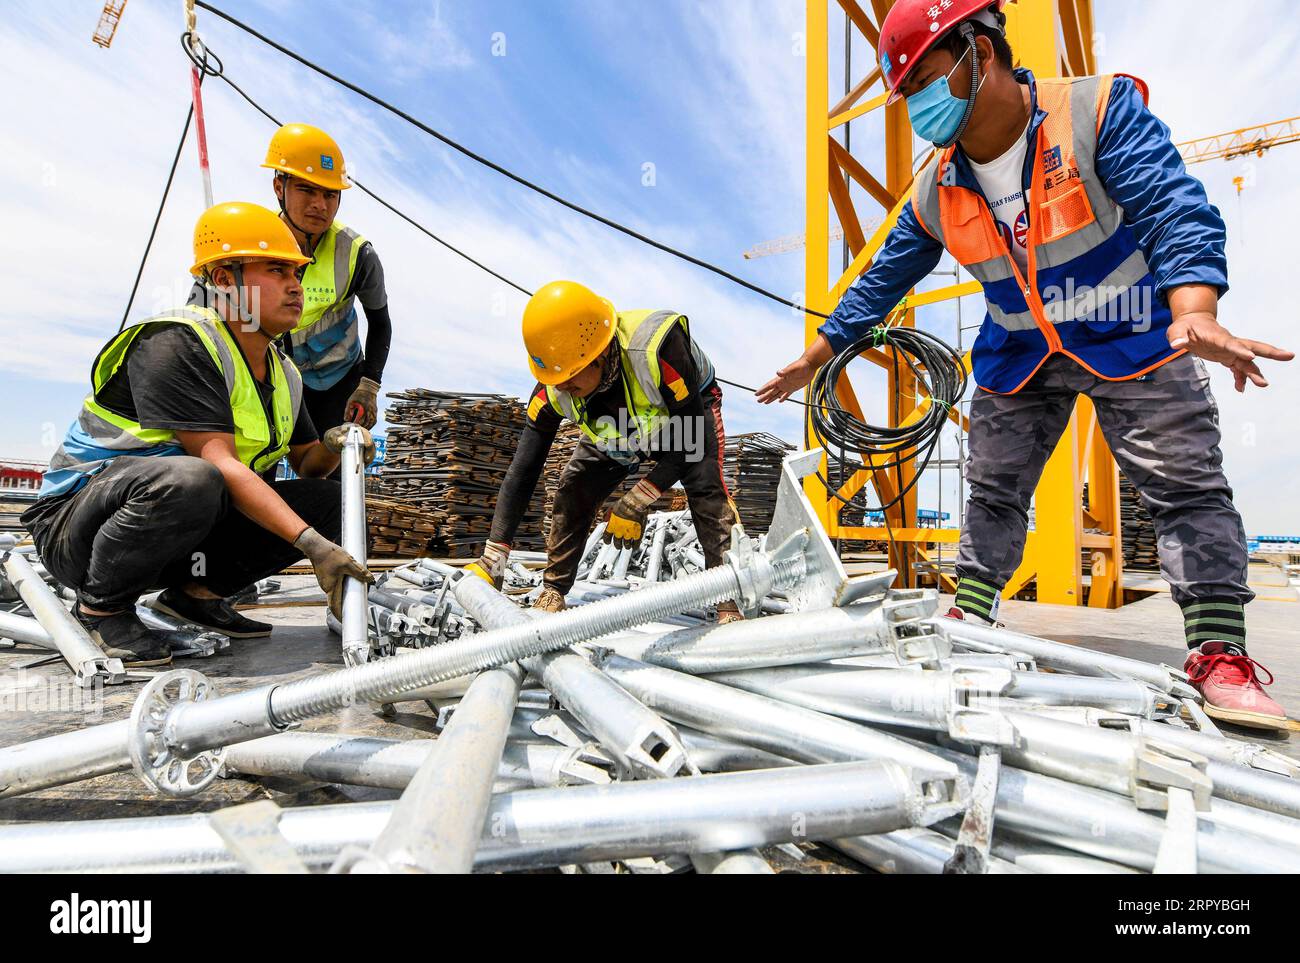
(332, 565)
(336, 436)
(363, 405)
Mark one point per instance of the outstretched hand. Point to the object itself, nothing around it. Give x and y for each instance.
(1202, 335)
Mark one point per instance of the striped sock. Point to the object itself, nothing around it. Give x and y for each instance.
(1207, 619)
(977, 598)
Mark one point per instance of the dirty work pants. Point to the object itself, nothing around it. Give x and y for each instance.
(1163, 429)
(327, 406)
(591, 476)
(148, 523)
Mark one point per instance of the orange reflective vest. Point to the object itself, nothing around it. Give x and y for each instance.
(1088, 293)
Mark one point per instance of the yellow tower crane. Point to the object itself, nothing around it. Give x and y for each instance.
(108, 21)
(1074, 553)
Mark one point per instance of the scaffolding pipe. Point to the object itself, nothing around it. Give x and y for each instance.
(639, 741)
(352, 474)
(436, 825)
(776, 727)
(193, 725)
(530, 829)
(1058, 655)
(392, 763)
(87, 660)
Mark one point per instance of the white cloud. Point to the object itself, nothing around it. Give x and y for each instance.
(88, 147)
(78, 237)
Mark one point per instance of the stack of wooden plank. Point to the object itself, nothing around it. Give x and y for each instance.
(446, 457)
(566, 440)
(1137, 529)
(752, 467)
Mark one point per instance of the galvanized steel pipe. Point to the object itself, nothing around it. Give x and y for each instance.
(86, 659)
(436, 825)
(192, 727)
(786, 730)
(640, 742)
(352, 475)
(530, 829)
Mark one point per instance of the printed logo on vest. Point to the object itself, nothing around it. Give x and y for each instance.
(326, 162)
(1051, 159)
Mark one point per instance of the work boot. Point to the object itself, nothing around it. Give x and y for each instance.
(549, 601)
(1225, 676)
(123, 636)
(215, 614)
(729, 612)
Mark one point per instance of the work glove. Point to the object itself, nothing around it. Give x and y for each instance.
(336, 436)
(729, 612)
(491, 565)
(549, 601)
(363, 407)
(332, 565)
(627, 520)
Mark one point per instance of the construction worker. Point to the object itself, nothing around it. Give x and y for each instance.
(340, 381)
(639, 388)
(165, 480)
(1102, 263)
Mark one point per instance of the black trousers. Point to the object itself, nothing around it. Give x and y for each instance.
(149, 523)
(591, 476)
(328, 406)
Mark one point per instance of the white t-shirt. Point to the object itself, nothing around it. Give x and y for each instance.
(1000, 180)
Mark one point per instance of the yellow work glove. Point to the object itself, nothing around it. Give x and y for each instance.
(491, 565)
(627, 520)
(363, 406)
(336, 436)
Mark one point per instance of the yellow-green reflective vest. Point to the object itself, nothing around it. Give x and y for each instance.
(327, 341)
(640, 335)
(99, 435)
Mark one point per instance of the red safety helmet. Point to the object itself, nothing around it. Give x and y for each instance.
(912, 27)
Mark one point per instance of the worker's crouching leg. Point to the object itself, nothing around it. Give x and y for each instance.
(587, 480)
(712, 510)
(238, 552)
(112, 539)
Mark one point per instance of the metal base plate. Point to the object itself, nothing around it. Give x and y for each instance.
(826, 582)
(154, 761)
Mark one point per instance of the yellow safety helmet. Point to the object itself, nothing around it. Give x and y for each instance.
(238, 230)
(310, 153)
(566, 327)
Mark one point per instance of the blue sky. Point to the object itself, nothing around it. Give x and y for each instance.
(586, 95)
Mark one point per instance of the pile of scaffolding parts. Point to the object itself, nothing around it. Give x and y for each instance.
(632, 733)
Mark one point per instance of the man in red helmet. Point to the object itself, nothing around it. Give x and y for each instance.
(1102, 263)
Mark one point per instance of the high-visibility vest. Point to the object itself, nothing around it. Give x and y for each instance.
(327, 341)
(99, 435)
(1089, 293)
(640, 334)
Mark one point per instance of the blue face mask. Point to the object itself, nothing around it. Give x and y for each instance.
(935, 113)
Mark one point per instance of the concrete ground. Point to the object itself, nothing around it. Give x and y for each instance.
(39, 701)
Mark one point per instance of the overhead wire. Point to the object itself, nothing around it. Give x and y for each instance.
(832, 423)
(505, 171)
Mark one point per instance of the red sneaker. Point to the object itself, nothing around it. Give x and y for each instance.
(962, 615)
(1226, 679)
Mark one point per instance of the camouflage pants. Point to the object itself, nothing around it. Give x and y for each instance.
(1163, 429)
